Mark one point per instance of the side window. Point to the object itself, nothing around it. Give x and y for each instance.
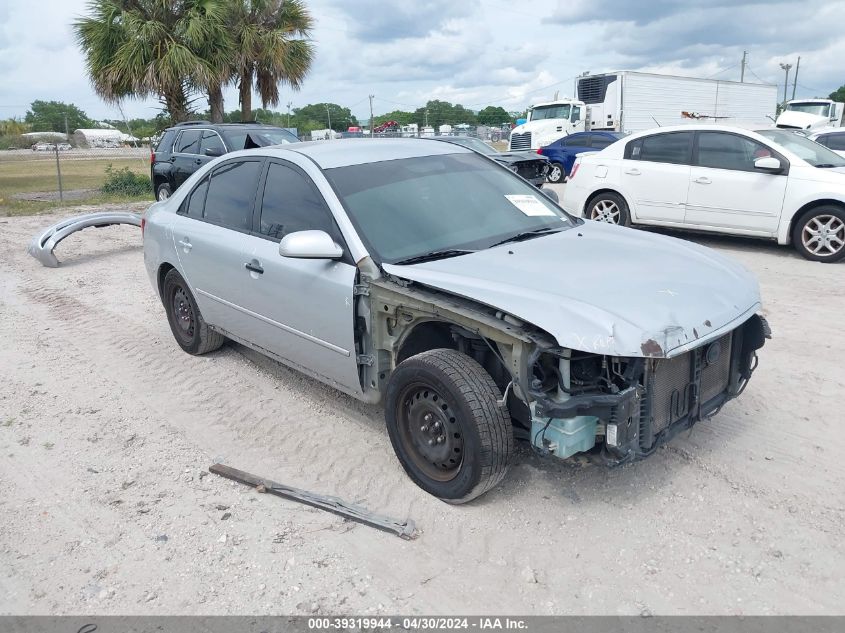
(231, 194)
(188, 142)
(211, 140)
(672, 147)
(576, 114)
(166, 142)
(577, 141)
(835, 142)
(600, 142)
(196, 201)
(292, 203)
(729, 151)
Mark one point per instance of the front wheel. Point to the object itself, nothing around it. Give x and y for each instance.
(820, 235)
(609, 207)
(556, 173)
(448, 430)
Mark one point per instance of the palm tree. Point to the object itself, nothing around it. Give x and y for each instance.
(270, 48)
(143, 48)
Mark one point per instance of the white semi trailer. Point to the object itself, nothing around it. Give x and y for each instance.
(630, 101)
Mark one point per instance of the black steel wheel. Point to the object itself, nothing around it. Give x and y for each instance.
(448, 430)
(189, 329)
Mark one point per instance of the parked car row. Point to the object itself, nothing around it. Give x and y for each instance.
(43, 146)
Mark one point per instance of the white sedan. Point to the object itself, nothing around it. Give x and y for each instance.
(718, 179)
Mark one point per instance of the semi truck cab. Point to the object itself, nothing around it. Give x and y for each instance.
(547, 122)
(810, 114)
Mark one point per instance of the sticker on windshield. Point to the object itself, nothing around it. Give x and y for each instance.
(529, 205)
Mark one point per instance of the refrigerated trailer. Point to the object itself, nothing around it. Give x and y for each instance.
(630, 101)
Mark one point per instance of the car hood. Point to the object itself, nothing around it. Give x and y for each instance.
(604, 289)
(517, 157)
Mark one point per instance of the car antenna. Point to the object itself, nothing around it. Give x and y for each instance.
(655, 120)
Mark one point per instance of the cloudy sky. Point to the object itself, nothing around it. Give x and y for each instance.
(474, 52)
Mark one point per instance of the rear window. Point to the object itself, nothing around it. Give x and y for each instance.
(188, 142)
(834, 141)
(671, 147)
(166, 142)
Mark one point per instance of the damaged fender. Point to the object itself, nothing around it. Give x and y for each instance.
(42, 245)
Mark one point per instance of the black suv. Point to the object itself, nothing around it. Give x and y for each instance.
(186, 147)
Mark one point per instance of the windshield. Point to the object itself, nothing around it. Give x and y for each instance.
(249, 138)
(819, 109)
(814, 153)
(472, 143)
(410, 207)
(550, 112)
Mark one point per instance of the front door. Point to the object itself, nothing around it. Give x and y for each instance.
(303, 309)
(655, 177)
(726, 191)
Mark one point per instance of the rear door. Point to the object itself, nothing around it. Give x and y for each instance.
(186, 155)
(303, 308)
(655, 174)
(727, 192)
(211, 239)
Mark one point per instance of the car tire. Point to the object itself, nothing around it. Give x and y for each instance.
(556, 173)
(820, 234)
(608, 207)
(447, 426)
(163, 191)
(189, 329)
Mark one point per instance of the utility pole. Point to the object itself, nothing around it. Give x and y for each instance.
(371, 116)
(795, 79)
(328, 112)
(59, 172)
(289, 104)
(67, 133)
(786, 67)
(742, 71)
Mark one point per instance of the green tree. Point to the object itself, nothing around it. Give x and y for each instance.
(50, 116)
(269, 48)
(341, 118)
(438, 113)
(493, 115)
(838, 94)
(144, 48)
(400, 116)
(13, 127)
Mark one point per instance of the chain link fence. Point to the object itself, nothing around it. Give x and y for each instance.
(58, 173)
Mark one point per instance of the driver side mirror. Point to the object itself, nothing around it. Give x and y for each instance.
(213, 151)
(309, 245)
(768, 163)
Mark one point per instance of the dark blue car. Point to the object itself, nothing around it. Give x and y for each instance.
(562, 152)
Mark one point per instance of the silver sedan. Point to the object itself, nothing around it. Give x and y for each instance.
(426, 276)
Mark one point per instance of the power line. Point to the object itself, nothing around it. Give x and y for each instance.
(722, 71)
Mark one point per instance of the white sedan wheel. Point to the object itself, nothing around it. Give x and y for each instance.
(605, 211)
(824, 235)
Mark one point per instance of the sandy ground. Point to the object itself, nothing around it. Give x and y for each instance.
(107, 429)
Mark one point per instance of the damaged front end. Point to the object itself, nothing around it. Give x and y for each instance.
(624, 408)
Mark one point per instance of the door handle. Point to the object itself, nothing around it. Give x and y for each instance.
(702, 180)
(185, 243)
(172, 159)
(254, 266)
(198, 161)
(633, 172)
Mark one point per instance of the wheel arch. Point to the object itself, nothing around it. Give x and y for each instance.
(163, 269)
(799, 215)
(598, 192)
(424, 336)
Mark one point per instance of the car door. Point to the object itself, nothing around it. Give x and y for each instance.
(655, 177)
(726, 190)
(211, 235)
(302, 308)
(185, 157)
(572, 146)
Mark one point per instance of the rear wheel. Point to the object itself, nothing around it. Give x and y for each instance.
(609, 207)
(556, 173)
(446, 425)
(163, 192)
(189, 328)
(820, 234)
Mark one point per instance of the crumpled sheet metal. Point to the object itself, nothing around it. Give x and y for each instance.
(42, 245)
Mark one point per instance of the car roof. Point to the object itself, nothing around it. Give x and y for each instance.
(358, 151)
